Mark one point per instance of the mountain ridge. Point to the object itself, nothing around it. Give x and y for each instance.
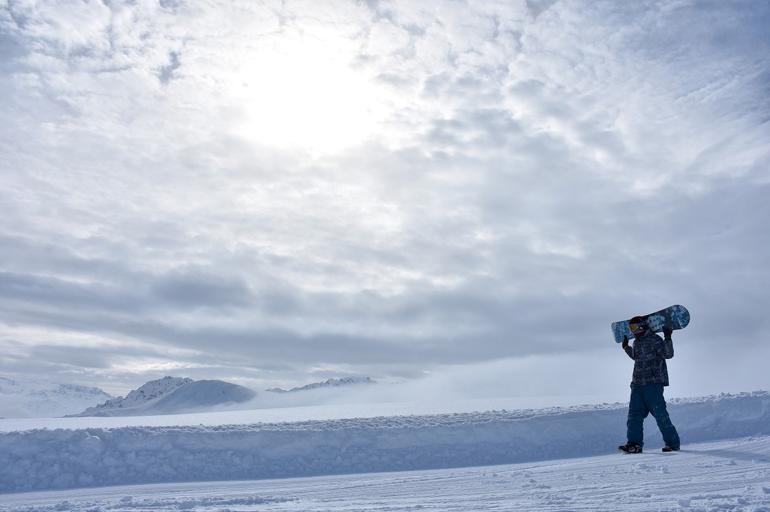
(41, 398)
(328, 383)
(171, 395)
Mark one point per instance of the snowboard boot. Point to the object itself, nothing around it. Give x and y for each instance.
(668, 448)
(630, 448)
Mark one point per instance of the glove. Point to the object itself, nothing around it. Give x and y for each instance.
(625, 342)
(667, 332)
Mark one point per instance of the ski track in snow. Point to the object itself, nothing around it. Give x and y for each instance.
(729, 475)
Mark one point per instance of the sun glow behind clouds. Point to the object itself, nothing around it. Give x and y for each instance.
(302, 93)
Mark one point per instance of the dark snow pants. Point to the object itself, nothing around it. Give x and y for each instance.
(645, 400)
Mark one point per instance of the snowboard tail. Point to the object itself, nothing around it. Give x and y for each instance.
(675, 317)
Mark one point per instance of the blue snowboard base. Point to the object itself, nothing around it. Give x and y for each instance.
(676, 317)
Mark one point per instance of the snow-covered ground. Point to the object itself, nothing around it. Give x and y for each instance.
(89, 456)
(275, 413)
(731, 475)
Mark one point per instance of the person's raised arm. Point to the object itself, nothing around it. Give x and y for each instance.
(629, 350)
(668, 343)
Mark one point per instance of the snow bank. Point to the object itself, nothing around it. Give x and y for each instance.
(57, 459)
(730, 475)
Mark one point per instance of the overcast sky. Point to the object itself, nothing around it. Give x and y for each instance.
(274, 193)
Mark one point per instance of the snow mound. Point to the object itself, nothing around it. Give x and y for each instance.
(37, 399)
(58, 459)
(171, 395)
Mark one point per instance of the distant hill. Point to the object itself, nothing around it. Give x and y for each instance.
(172, 395)
(329, 383)
(30, 398)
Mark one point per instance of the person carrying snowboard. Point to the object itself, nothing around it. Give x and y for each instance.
(650, 376)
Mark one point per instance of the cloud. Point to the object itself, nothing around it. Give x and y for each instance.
(528, 172)
(194, 289)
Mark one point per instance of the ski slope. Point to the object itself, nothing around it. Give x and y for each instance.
(731, 475)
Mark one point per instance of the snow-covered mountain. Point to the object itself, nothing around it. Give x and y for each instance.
(171, 395)
(139, 397)
(329, 383)
(38, 399)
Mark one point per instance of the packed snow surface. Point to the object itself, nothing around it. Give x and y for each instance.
(59, 459)
(731, 475)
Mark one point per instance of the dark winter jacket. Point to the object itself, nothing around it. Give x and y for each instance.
(649, 353)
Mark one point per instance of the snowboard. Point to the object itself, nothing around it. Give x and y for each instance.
(676, 317)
